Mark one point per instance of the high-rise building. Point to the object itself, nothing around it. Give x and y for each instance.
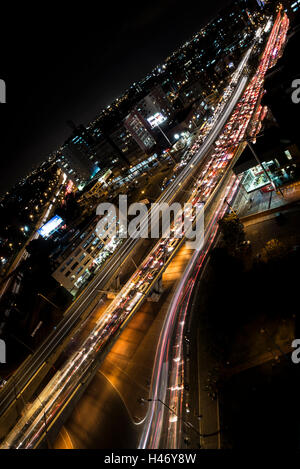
(116, 147)
(140, 131)
(75, 164)
(127, 144)
(77, 156)
(86, 252)
(155, 103)
(105, 153)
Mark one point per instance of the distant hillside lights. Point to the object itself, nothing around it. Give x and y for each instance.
(2, 92)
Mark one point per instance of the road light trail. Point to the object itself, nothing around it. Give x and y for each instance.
(162, 429)
(56, 390)
(30, 431)
(37, 360)
(170, 389)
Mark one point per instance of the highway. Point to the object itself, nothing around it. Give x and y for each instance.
(64, 383)
(168, 407)
(163, 427)
(134, 292)
(30, 430)
(35, 362)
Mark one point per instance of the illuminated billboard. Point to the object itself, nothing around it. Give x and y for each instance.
(105, 176)
(46, 230)
(69, 187)
(156, 120)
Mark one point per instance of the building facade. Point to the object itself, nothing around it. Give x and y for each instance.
(139, 129)
(156, 102)
(86, 254)
(77, 156)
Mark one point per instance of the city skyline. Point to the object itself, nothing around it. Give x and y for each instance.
(39, 110)
(133, 255)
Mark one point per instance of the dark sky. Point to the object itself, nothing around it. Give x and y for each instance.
(66, 60)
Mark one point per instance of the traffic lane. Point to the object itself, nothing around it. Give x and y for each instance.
(203, 411)
(62, 331)
(46, 350)
(215, 129)
(70, 321)
(211, 135)
(101, 420)
(156, 412)
(128, 366)
(85, 356)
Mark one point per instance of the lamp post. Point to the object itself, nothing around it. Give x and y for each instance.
(163, 133)
(46, 299)
(45, 421)
(249, 143)
(168, 140)
(16, 394)
(261, 165)
(188, 424)
(230, 206)
(133, 263)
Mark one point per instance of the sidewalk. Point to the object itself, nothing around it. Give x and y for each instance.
(256, 202)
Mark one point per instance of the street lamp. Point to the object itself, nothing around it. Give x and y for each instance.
(163, 133)
(262, 166)
(249, 143)
(188, 424)
(230, 206)
(48, 301)
(45, 419)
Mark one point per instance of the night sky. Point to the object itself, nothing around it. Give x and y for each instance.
(65, 60)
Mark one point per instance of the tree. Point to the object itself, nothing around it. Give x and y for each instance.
(232, 230)
(273, 250)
